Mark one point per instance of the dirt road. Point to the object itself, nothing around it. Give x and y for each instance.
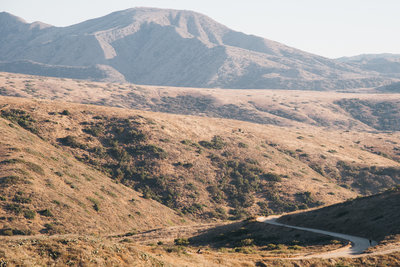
(357, 247)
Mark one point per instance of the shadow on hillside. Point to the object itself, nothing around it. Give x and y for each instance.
(256, 233)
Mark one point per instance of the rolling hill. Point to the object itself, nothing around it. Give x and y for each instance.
(171, 47)
(362, 111)
(209, 168)
(85, 184)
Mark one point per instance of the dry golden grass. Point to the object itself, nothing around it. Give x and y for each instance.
(280, 107)
(99, 251)
(176, 128)
(168, 130)
(51, 179)
(70, 189)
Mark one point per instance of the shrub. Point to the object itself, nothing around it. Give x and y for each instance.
(15, 208)
(152, 151)
(96, 207)
(21, 199)
(95, 203)
(11, 232)
(271, 177)
(242, 145)
(94, 130)
(46, 213)
(71, 141)
(221, 213)
(181, 241)
(29, 214)
(216, 143)
(10, 180)
(188, 165)
(247, 242)
(20, 117)
(186, 142)
(244, 250)
(193, 209)
(65, 112)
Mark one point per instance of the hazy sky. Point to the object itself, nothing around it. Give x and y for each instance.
(330, 28)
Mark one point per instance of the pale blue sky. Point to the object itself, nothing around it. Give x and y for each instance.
(330, 28)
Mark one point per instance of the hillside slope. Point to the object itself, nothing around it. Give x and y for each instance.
(45, 190)
(212, 168)
(178, 48)
(374, 217)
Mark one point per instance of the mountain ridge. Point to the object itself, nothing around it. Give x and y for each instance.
(179, 48)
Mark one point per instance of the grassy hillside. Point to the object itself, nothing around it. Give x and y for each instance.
(374, 217)
(45, 190)
(102, 185)
(209, 168)
(347, 111)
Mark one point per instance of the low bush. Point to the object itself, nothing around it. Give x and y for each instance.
(181, 241)
(12, 231)
(216, 143)
(29, 214)
(46, 213)
(20, 117)
(71, 141)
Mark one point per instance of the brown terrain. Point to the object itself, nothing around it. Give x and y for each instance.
(124, 185)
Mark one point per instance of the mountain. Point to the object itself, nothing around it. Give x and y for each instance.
(385, 64)
(179, 48)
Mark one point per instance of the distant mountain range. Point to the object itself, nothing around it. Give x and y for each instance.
(385, 64)
(177, 48)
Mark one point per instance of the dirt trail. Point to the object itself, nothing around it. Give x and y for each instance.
(357, 247)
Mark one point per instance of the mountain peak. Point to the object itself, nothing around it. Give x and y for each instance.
(11, 23)
(8, 17)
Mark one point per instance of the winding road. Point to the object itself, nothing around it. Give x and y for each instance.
(357, 247)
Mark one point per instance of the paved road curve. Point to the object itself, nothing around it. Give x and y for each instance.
(358, 244)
